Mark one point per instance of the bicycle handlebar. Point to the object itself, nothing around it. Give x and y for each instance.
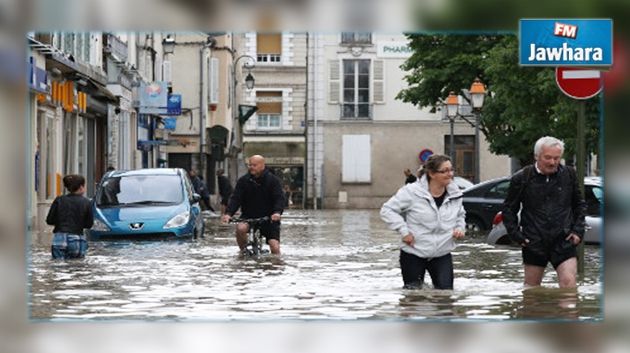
(250, 221)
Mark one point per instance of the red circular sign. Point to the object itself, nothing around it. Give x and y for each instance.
(579, 83)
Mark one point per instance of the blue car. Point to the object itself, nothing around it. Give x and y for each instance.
(146, 203)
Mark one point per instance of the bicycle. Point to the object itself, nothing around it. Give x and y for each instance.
(254, 238)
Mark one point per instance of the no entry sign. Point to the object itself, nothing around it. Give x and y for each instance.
(579, 83)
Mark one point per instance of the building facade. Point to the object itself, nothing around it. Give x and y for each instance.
(82, 112)
(277, 129)
(360, 138)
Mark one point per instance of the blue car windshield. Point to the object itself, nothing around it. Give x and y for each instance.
(140, 190)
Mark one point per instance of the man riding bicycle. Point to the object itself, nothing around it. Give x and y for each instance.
(258, 194)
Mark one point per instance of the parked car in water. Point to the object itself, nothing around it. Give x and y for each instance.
(146, 203)
(593, 194)
(482, 202)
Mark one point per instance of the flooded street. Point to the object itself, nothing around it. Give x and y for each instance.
(335, 265)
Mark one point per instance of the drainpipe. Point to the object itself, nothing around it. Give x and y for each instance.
(306, 139)
(315, 178)
(202, 108)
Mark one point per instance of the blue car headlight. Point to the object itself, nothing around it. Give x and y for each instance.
(100, 226)
(178, 221)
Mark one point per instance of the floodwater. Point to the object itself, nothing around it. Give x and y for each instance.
(335, 265)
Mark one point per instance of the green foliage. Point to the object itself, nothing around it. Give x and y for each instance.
(523, 104)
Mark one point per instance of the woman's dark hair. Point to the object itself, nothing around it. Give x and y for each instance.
(433, 164)
(73, 182)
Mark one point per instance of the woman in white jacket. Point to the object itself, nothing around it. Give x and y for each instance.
(429, 215)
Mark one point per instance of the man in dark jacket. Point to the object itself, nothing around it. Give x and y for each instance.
(200, 188)
(552, 215)
(225, 189)
(258, 194)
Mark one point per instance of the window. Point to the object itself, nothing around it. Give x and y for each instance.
(268, 47)
(356, 38)
(499, 191)
(593, 196)
(269, 112)
(271, 121)
(356, 89)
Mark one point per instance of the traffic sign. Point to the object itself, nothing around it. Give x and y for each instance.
(424, 155)
(579, 83)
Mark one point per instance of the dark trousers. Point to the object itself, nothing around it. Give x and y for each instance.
(413, 269)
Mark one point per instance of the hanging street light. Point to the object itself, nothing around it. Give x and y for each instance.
(168, 45)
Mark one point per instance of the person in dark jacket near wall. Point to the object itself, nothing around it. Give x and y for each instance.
(70, 214)
(225, 189)
(409, 177)
(258, 194)
(200, 188)
(552, 215)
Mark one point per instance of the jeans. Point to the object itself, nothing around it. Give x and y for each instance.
(68, 246)
(414, 267)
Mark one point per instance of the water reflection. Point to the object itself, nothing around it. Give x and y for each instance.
(548, 303)
(339, 265)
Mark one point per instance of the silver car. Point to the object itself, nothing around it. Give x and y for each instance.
(593, 194)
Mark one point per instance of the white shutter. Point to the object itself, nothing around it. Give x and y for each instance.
(356, 159)
(166, 71)
(213, 81)
(379, 82)
(333, 81)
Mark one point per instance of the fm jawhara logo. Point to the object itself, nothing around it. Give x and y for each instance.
(565, 42)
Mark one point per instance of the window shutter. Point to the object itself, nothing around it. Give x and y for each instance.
(269, 43)
(356, 159)
(379, 82)
(213, 81)
(269, 102)
(334, 82)
(166, 71)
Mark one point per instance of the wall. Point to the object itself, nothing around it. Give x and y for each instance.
(394, 147)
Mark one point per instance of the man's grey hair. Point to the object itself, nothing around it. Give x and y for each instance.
(547, 141)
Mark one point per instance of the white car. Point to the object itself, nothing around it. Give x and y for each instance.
(593, 193)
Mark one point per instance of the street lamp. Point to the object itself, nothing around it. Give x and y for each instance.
(452, 104)
(168, 45)
(236, 145)
(477, 93)
(249, 81)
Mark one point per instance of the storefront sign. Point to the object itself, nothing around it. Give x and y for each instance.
(397, 49)
(153, 97)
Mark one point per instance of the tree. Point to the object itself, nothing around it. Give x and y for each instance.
(523, 102)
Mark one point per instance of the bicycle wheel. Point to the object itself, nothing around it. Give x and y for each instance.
(256, 243)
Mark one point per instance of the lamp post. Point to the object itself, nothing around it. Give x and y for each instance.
(452, 104)
(237, 142)
(477, 93)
